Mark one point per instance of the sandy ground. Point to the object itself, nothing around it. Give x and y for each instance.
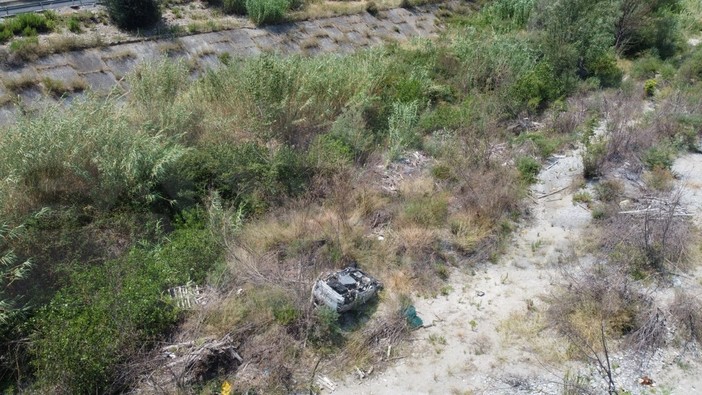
(475, 343)
(487, 336)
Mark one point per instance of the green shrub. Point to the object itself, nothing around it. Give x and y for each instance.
(350, 130)
(609, 190)
(154, 88)
(330, 154)
(594, 158)
(691, 68)
(262, 12)
(326, 323)
(441, 172)
(101, 320)
(528, 168)
(649, 66)
(605, 69)
(88, 153)
(234, 7)
(515, 12)
(98, 322)
(249, 175)
(26, 49)
(74, 25)
(659, 156)
(38, 22)
(5, 35)
(544, 144)
(372, 8)
(133, 14)
(650, 87)
(582, 197)
(535, 88)
(285, 313)
(599, 212)
(649, 26)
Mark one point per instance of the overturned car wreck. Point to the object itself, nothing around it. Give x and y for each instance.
(345, 290)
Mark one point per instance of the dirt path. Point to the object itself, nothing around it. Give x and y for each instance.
(477, 342)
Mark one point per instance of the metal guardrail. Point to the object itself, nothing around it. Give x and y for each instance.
(42, 5)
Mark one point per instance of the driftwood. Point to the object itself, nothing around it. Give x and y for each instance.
(324, 381)
(553, 193)
(656, 211)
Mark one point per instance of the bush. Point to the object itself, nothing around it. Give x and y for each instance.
(31, 23)
(659, 156)
(5, 35)
(644, 26)
(326, 325)
(537, 87)
(262, 12)
(649, 66)
(605, 69)
(543, 144)
(249, 175)
(133, 14)
(609, 190)
(602, 299)
(372, 8)
(594, 159)
(97, 323)
(234, 7)
(74, 25)
(650, 87)
(26, 49)
(691, 69)
(528, 168)
(93, 328)
(94, 157)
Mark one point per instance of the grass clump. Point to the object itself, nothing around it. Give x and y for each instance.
(26, 25)
(26, 48)
(263, 12)
(74, 25)
(427, 211)
(234, 7)
(528, 168)
(582, 197)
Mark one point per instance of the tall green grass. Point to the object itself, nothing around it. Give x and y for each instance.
(27, 25)
(263, 12)
(88, 154)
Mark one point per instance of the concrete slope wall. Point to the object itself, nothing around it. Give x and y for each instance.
(101, 69)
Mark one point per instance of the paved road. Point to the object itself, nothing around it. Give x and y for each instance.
(14, 7)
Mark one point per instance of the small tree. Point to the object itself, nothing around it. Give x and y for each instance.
(133, 14)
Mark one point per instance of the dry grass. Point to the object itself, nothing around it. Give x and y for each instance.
(652, 241)
(530, 330)
(309, 43)
(5, 99)
(20, 82)
(659, 179)
(467, 232)
(119, 54)
(603, 296)
(686, 311)
(57, 88)
(170, 47)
